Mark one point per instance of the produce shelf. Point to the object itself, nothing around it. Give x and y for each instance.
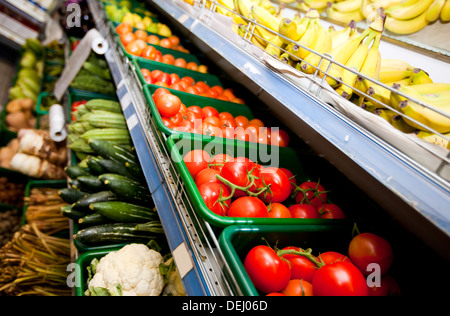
(417, 196)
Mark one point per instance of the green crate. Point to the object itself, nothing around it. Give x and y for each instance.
(40, 110)
(84, 261)
(189, 100)
(142, 63)
(305, 166)
(236, 241)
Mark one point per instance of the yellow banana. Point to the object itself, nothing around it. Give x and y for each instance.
(405, 27)
(274, 48)
(308, 39)
(287, 1)
(355, 63)
(434, 11)
(381, 95)
(399, 123)
(395, 64)
(408, 9)
(323, 45)
(386, 4)
(243, 7)
(445, 12)
(286, 58)
(418, 76)
(316, 4)
(263, 17)
(347, 6)
(292, 29)
(385, 114)
(432, 88)
(339, 37)
(344, 17)
(435, 139)
(228, 4)
(372, 65)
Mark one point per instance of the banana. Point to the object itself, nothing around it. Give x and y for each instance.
(385, 114)
(339, 37)
(344, 17)
(406, 27)
(381, 95)
(243, 7)
(432, 88)
(386, 4)
(399, 123)
(445, 12)
(309, 37)
(435, 139)
(316, 4)
(347, 6)
(323, 45)
(292, 29)
(275, 46)
(286, 58)
(263, 17)
(355, 63)
(395, 64)
(408, 9)
(287, 1)
(387, 76)
(421, 114)
(418, 76)
(434, 11)
(372, 65)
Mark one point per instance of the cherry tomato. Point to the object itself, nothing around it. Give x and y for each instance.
(268, 272)
(205, 176)
(211, 193)
(298, 287)
(278, 210)
(367, 248)
(168, 105)
(280, 187)
(196, 160)
(301, 267)
(312, 193)
(247, 206)
(331, 211)
(339, 279)
(303, 211)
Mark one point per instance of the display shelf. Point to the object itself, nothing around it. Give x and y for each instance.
(394, 180)
(192, 241)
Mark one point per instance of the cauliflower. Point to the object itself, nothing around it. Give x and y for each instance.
(133, 271)
(174, 286)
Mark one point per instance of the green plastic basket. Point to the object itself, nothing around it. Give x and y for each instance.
(305, 166)
(236, 241)
(40, 110)
(189, 100)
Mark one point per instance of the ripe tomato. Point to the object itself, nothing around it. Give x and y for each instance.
(225, 115)
(212, 130)
(174, 40)
(227, 123)
(367, 248)
(192, 117)
(250, 133)
(209, 111)
(196, 160)
(165, 42)
(256, 122)
(303, 211)
(167, 122)
(127, 39)
(168, 59)
(330, 257)
(175, 78)
(177, 119)
(153, 40)
(339, 279)
(297, 287)
(196, 109)
(192, 66)
(134, 49)
(291, 177)
(268, 272)
(168, 105)
(280, 138)
(140, 34)
(276, 294)
(247, 206)
(164, 77)
(331, 211)
(388, 287)
(239, 172)
(184, 126)
(205, 176)
(214, 120)
(211, 193)
(218, 161)
(241, 121)
(278, 210)
(278, 183)
(124, 28)
(156, 73)
(312, 193)
(159, 93)
(301, 267)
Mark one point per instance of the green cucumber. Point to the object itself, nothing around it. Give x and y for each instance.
(71, 195)
(111, 166)
(70, 213)
(109, 150)
(127, 189)
(93, 219)
(74, 172)
(123, 212)
(91, 183)
(103, 196)
(94, 166)
(115, 233)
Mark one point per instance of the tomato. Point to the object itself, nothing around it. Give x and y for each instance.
(339, 279)
(180, 62)
(331, 211)
(264, 136)
(192, 117)
(177, 86)
(168, 123)
(189, 80)
(219, 89)
(127, 39)
(192, 66)
(268, 272)
(153, 40)
(196, 109)
(303, 211)
(209, 129)
(218, 161)
(388, 287)
(298, 287)
(225, 115)
(159, 93)
(205, 176)
(124, 28)
(203, 69)
(228, 132)
(248, 134)
(212, 120)
(147, 75)
(238, 100)
(247, 206)
(367, 248)
(301, 267)
(184, 126)
(211, 193)
(227, 123)
(278, 210)
(291, 177)
(165, 42)
(280, 138)
(168, 105)
(209, 111)
(196, 160)
(134, 49)
(174, 40)
(164, 77)
(140, 34)
(176, 119)
(276, 294)
(240, 172)
(156, 73)
(312, 193)
(330, 257)
(241, 121)
(175, 78)
(279, 187)
(191, 90)
(256, 122)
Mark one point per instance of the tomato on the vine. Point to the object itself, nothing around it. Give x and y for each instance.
(298, 287)
(211, 194)
(312, 193)
(247, 206)
(301, 267)
(278, 210)
(218, 161)
(205, 176)
(388, 287)
(196, 160)
(303, 211)
(331, 211)
(241, 172)
(330, 257)
(279, 186)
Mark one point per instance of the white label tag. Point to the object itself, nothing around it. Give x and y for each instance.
(183, 260)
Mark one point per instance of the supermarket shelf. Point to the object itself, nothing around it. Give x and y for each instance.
(324, 127)
(191, 241)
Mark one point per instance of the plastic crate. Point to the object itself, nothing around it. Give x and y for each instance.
(189, 100)
(305, 166)
(40, 109)
(236, 241)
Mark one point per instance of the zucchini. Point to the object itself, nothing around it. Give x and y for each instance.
(127, 189)
(122, 212)
(104, 119)
(71, 195)
(114, 135)
(74, 172)
(109, 150)
(94, 166)
(93, 219)
(111, 166)
(103, 196)
(105, 105)
(70, 213)
(90, 183)
(115, 233)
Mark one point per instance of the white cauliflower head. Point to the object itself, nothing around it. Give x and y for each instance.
(135, 268)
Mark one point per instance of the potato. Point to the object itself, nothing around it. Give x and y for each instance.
(27, 104)
(17, 120)
(14, 106)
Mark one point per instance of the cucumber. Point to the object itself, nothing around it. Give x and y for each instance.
(111, 166)
(109, 150)
(93, 219)
(90, 183)
(70, 213)
(123, 212)
(114, 233)
(74, 172)
(71, 195)
(127, 189)
(94, 166)
(103, 196)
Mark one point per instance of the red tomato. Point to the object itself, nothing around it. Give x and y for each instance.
(159, 93)
(225, 115)
(180, 62)
(388, 287)
(210, 111)
(331, 211)
(214, 120)
(291, 177)
(280, 138)
(149, 52)
(168, 105)
(174, 78)
(196, 109)
(218, 161)
(196, 160)
(127, 39)
(176, 119)
(211, 193)
(276, 294)
(227, 123)
(277, 182)
(303, 211)
(256, 122)
(184, 126)
(192, 117)
(167, 122)
(278, 210)
(209, 129)
(241, 121)
(250, 133)
(367, 248)
(330, 257)
(205, 176)
(339, 279)
(268, 272)
(124, 28)
(311, 193)
(156, 73)
(164, 77)
(239, 172)
(301, 267)
(298, 287)
(247, 206)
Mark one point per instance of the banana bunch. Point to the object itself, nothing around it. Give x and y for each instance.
(345, 11)
(306, 5)
(411, 16)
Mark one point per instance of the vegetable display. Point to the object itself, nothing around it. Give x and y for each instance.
(94, 76)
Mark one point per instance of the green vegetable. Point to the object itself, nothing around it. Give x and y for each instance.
(123, 212)
(127, 189)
